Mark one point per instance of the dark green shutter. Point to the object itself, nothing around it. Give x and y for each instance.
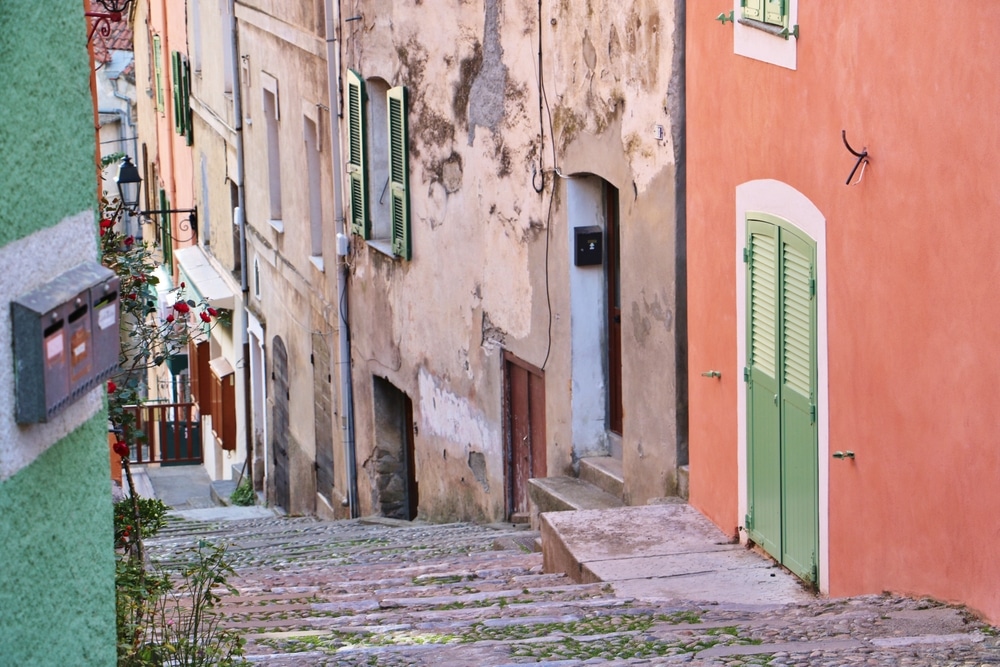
(166, 232)
(399, 171)
(177, 82)
(356, 158)
(186, 95)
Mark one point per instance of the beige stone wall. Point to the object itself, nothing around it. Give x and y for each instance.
(491, 261)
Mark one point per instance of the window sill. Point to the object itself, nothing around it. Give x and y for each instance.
(770, 29)
(277, 225)
(317, 261)
(384, 246)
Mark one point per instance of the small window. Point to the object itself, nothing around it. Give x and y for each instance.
(310, 136)
(271, 117)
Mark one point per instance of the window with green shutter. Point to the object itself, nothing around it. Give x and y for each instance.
(771, 12)
(181, 70)
(399, 177)
(356, 154)
(158, 72)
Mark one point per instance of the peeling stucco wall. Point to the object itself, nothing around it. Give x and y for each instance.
(491, 254)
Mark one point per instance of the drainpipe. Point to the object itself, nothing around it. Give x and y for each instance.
(343, 238)
(241, 225)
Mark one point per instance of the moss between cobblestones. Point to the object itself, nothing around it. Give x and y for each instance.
(620, 636)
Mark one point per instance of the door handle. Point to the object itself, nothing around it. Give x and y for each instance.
(712, 374)
(843, 455)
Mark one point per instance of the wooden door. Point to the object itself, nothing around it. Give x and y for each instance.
(279, 429)
(524, 430)
(614, 310)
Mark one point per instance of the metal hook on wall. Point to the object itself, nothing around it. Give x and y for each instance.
(862, 159)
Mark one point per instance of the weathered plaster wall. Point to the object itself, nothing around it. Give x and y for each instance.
(284, 48)
(491, 258)
(54, 478)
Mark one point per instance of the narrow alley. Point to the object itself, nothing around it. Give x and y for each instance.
(388, 592)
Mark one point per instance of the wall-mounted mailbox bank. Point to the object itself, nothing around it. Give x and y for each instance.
(66, 340)
(589, 244)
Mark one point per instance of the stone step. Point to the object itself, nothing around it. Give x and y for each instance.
(683, 474)
(604, 472)
(560, 494)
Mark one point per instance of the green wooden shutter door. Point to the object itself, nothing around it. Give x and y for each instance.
(764, 444)
(399, 171)
(753, 9)
(798, 389)
(356, 162)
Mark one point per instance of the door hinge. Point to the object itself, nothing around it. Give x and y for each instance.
(812, 287)
(814, 570)
(812, 413)
(746, 373)
(312, 359)
(746, 255)
(748, 520)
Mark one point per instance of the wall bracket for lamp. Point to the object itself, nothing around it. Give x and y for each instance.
(862, 159)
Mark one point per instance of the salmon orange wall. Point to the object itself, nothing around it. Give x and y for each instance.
(913, 271)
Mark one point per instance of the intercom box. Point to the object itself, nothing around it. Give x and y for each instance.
(66, 340)
(589, 245)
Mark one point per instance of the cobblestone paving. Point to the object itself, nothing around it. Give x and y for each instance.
(356, 593)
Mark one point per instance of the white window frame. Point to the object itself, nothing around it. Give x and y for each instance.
(765, 45)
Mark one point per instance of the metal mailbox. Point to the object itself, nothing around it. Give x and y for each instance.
(61, 331)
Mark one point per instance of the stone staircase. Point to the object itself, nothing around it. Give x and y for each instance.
(600, 485)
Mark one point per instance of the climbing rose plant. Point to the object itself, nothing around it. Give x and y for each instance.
(161, 618)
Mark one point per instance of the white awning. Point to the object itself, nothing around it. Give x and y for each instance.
(201, 275)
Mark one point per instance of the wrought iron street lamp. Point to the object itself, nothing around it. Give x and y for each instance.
(129, 187)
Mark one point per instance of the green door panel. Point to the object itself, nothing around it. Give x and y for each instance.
(782, 458)
(764, 460)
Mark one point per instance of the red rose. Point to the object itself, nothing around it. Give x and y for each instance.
(133, 296)
(121, 449)
(107, 224)
(213, 312)
(183, 285)
(129, 241)
(112, 387)
(205, 317)
(182, 307)
(170, 318)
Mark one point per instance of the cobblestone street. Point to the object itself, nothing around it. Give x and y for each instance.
(394, 593)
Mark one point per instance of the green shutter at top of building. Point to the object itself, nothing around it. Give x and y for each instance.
(357, 153)
(399, 171)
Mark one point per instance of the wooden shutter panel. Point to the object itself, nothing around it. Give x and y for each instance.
(764, 449)
(356, 155)
(399, 171)
(775, 11)
(176, 86)
(753, 9)
(186, 96)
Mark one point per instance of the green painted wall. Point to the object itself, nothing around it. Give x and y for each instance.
(57, 572)
(46, 116)
(56, 552)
